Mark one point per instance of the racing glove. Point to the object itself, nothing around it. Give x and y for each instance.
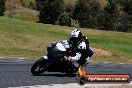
(74, 58)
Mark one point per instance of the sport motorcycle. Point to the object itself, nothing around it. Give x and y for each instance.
(54, 61)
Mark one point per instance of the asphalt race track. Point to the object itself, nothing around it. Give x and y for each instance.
(16, 73)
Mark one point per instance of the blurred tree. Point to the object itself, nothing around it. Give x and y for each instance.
(117, 16)
(31, 5)
(65, 19)
(50, 10)
(106, 17)
(11, 8)
(2, 7)
(39, 4)
(85, 12)
(127, 4)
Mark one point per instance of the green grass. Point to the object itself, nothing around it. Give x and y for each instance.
(114, 43)
(120, 44)
(16, 35)
(27, 39)
(27, 16)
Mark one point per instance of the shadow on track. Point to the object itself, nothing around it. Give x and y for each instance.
(58, 75)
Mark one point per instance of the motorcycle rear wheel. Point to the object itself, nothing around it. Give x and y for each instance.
(39, 66)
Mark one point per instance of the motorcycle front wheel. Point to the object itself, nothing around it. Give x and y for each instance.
(39, 66)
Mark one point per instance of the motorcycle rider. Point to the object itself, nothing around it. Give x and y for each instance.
(78, 44)
(76, 51)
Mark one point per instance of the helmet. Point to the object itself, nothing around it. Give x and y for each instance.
(76, 35)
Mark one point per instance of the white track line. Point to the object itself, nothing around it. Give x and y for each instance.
(76, 85)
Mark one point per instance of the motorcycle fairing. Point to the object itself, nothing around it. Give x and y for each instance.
(45, 57)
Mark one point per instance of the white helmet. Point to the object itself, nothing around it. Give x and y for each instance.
(76, 35)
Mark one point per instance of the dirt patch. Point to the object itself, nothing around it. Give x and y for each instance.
(101, 51)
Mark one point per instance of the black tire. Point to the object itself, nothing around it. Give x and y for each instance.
(82, 80)
(39, 67)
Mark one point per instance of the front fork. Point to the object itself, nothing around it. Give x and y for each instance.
(76, 65)
(87, 61)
